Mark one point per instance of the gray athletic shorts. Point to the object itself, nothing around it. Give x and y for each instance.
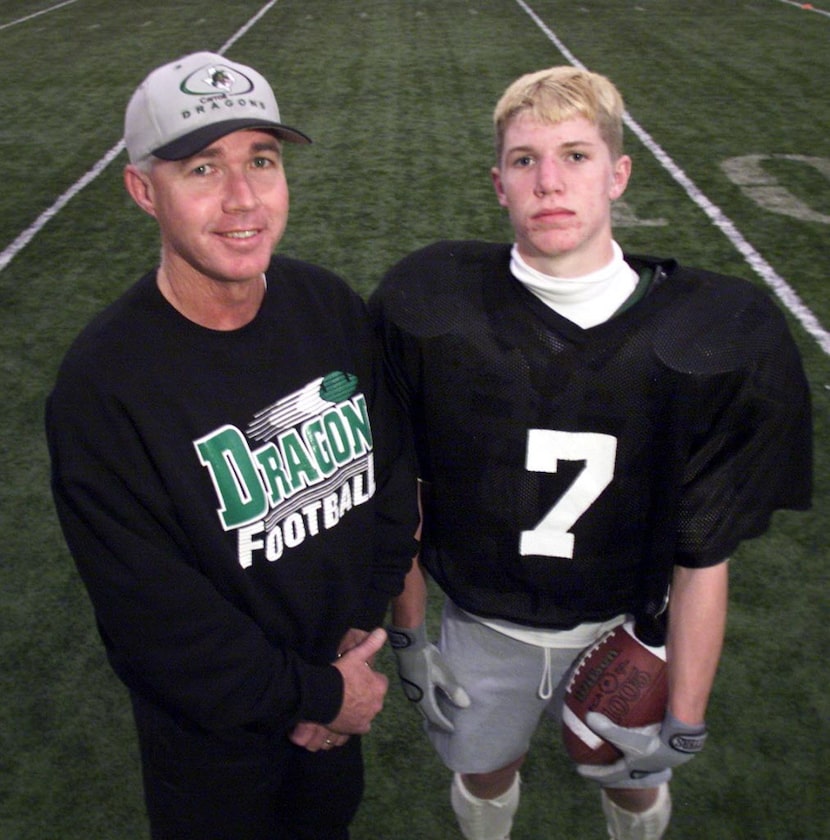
(511, 684)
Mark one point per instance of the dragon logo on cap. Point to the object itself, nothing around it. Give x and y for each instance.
(216, 80)
(220, 77)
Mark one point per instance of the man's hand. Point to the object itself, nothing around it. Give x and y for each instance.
(649, 752)
(352, 639)
(315, 736)
(423, 671)
(363, 688)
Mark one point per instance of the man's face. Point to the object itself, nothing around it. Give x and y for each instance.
(557, 182)
(221, 212)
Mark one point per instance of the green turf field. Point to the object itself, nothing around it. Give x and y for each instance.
(730, 134)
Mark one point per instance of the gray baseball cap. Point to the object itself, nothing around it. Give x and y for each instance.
(184, 106)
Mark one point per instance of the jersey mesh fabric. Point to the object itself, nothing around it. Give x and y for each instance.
(697, 389)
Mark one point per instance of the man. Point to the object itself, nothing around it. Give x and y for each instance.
(597, 433)
(232, 482)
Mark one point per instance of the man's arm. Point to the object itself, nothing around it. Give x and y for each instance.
(396, 519)
(169, 631)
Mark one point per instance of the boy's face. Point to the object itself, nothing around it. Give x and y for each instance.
(557, 183)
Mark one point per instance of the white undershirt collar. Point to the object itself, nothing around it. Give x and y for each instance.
(588, 300)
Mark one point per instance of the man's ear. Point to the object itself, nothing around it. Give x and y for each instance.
(619, 179)
(140, 188)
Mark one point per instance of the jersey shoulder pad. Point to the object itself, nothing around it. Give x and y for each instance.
(715, 323)
(437, 284)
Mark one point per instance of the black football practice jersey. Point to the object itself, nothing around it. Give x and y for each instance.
(566, 469)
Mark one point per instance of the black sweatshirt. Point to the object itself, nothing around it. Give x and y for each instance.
(234, 500)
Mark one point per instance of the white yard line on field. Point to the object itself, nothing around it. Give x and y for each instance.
(808, 7)
(11, 251)
(37, 14)
(255, 19)
(788, 296)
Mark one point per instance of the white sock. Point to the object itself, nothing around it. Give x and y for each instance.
(645, 825)
(484, 819)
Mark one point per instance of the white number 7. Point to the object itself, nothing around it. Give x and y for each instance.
(545, 449)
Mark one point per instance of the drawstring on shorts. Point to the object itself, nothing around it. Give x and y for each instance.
(546, 684)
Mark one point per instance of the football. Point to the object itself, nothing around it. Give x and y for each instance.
(620, 677)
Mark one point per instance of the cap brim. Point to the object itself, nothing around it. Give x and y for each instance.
(201, 138)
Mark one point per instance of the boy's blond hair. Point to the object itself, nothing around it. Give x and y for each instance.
(563, 93)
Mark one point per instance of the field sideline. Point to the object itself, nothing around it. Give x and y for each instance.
(728, 126)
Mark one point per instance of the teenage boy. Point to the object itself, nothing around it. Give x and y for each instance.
(597, 433)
